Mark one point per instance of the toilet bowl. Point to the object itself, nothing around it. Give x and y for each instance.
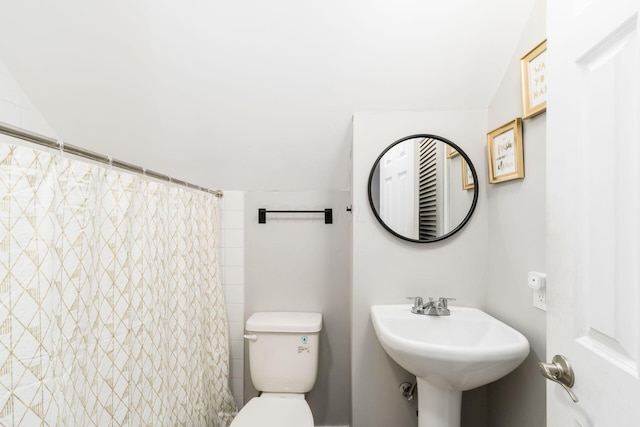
(283, 363)
(273, 411)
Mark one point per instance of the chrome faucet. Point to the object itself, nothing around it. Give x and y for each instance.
(431, 307)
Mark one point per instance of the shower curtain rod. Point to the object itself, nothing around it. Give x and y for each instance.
(49, 142)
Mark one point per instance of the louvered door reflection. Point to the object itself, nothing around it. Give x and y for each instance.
(428, 189)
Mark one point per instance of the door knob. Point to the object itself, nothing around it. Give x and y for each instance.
(561, 372)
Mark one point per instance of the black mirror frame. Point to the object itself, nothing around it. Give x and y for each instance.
(475, 188)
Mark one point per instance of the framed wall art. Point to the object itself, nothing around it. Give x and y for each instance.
(504, 152)
(467, 176)
(451, 152)
(533, 81)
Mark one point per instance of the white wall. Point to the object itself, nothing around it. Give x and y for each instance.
(296, 262)
(16, 109)
(182, 77)
(387, 269)
(517, 245)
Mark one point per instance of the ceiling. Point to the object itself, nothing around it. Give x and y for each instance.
(250, 94)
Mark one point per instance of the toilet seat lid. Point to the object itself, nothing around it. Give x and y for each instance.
(274, 412)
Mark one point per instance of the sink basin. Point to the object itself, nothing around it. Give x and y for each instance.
(448, 354)
(462, 351)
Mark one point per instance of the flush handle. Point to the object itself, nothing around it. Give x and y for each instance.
(561, 372)
(251, 337)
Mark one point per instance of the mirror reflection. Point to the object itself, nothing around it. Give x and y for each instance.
(423, 188)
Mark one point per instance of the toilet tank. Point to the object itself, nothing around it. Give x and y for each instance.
(283, 351)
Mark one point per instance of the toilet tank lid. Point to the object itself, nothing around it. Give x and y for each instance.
(284, 322)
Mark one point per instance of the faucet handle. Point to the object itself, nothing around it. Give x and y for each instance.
(417, 301)
(445, 301)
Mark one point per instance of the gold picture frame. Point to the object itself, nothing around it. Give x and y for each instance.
(467, 176)
(451, 152)
(533, 81)
(504, 152)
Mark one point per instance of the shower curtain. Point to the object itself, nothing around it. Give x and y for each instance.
(111, 309)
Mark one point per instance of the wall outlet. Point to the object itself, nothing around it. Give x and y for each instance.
(540, 298)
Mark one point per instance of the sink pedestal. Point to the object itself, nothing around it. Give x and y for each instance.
(438, 407)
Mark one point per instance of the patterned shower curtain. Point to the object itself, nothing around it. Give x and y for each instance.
(111, 309)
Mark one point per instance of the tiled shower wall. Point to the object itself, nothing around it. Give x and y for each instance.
(231, 260)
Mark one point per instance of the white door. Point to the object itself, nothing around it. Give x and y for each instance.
(398, 207)
(593, 210)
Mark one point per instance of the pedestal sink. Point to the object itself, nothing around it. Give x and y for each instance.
(448, 354)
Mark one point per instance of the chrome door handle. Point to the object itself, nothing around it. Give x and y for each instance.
(561, 372)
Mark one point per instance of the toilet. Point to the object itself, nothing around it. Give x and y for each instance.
(283, 362)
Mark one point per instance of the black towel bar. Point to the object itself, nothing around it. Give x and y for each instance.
(328, 215)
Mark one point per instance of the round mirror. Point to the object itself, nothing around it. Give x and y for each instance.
(423, 188)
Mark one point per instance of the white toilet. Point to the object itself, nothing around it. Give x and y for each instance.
(283, 361)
